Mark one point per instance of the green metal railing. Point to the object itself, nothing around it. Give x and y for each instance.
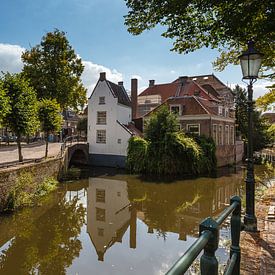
(209, 240)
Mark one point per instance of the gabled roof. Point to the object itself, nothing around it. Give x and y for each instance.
(177, 89)
(193, 105)
(119, 92)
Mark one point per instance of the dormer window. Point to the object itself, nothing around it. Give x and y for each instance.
(175, 109)
(101, 100)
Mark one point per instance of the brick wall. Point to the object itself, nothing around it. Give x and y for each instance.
(39, 171)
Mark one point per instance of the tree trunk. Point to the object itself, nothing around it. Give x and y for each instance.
(19, 148)
(47, 143)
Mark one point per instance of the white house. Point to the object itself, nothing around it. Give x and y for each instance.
(109, 123)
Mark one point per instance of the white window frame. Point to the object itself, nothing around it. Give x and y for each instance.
(192, 125)
(101, 120)
(220, 108)
(176, 105)
(101, 139)
(220, 134)
(215, 134)
(232, 135)
(101, 100)
(226, 134)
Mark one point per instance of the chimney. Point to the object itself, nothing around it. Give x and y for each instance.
(151, 83)
(183, 79)
(120, 83)
(102, 76)
(134, 88)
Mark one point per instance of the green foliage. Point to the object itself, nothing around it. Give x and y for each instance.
(49, 114)
(26, 192)
(208, 158)
(226, 25)
(21, 118)
(265, 102)
(261, 136)
(4, 102)
(137, 154)
(54, 70)
(82, 125)
(167, 151)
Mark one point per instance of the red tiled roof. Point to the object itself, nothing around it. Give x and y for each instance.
(176, 89)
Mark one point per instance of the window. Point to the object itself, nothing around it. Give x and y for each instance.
(100, 232)
(100, 195)
(226, 113)
(102, 100)
(100, 214)
(232, 140)
(175, 109)
(101, 136)
(215, 133)
(193, 128)
(226, 134)
(220, 135)
(101, 118)
(220, 110)
(119, 141)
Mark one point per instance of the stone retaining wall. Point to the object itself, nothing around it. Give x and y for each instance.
(39, 171)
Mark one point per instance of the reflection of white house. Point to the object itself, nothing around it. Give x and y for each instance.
(109, 123)
(108, 213)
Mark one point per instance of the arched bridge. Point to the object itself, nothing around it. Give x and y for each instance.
(75, 153)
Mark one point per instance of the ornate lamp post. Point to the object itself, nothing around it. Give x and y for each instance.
(250, 63)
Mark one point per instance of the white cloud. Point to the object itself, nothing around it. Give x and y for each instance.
(10, 61)
(259, 88)
(10, 58)
(91, 75)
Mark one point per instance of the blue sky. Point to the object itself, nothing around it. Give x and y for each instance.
(95, 29)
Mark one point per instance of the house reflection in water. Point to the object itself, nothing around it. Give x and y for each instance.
(114, 205)
(109, 214)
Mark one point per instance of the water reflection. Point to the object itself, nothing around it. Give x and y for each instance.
(45, 243)
(112, 225)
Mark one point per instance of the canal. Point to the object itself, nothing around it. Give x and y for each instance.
(114, 224)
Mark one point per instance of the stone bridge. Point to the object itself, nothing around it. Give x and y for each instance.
(75, 154)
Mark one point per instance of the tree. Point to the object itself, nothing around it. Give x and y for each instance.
(261, 136)
(54, 70)
(265, 102)
(49, 114)
(4, 102)
(226, 25)
(82, 125)
(22, 116)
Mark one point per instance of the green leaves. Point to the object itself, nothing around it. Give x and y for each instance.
(4, 102)
(226, 25)
(49, 114)
(22, 115)
(54, 70)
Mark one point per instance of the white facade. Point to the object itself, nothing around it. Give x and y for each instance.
(117, 115)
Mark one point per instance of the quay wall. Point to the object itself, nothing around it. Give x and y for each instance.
(39, 172)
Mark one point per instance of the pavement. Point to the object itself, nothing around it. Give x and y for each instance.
(258, 249)
(9, 154)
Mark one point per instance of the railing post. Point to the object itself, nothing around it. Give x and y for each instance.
(208, 262)
(235, 233)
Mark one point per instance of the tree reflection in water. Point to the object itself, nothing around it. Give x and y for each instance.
(46, 245)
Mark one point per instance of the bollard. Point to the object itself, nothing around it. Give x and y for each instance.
(235, 234)
(208, 262)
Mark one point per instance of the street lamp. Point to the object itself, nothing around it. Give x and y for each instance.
(250, 63)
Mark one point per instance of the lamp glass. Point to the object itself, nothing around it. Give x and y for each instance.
(251, 63)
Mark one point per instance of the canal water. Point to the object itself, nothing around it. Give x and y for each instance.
(114, 224)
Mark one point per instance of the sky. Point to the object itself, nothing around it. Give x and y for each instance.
(96, 31)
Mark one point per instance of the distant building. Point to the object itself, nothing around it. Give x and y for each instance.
(70, 120)
(109, 123)
(201, 109)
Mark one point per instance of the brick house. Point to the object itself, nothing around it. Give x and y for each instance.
(201, 108)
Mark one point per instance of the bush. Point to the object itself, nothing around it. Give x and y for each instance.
(167, 151)
(26, 192)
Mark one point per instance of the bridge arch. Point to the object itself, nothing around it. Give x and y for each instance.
(78, 154)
